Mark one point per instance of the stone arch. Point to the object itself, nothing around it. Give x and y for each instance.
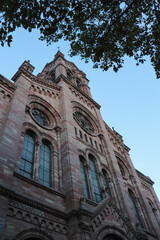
(29, 126)
(123, 161)
(91, 151)
(45, 104)
(33, 234)
(113, 233)
(51, 140)
(79, 107)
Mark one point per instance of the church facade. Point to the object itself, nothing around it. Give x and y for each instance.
(64, 173)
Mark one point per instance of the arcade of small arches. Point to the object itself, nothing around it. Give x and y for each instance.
(108, 237)
(105, 233)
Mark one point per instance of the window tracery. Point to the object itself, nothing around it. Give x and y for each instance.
(40, 117)
(45, 164)
(94, 179)
(84, 122)
(36, 155)
(84, 178)
(27, 158)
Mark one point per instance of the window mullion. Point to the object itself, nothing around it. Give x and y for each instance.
(54, 170)
(36, 163)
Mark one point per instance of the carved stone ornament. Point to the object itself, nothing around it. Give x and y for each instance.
(84, 122)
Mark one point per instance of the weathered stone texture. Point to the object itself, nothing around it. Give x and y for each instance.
(32, 210)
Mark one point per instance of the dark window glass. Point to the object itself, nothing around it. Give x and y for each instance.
(91, 141)
(86, 138)
(96, 144)
(44, 168)
(69, 76)
(75, 131)
(105, 182)
(84, 178)
(78, 84)
(53, 77)
(95, 183)
(26, 166)
(134, 207)
(111, 237)
(80, 133)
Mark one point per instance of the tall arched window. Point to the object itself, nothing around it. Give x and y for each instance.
(134, 207)
(78, 83)
(105, 182)
(84, 177)
(45, 164)
(26, 166)
(94, 178)
(69, 76)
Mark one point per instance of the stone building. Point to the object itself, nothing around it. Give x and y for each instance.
(64, 173)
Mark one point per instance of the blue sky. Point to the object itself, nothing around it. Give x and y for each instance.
(129, 99)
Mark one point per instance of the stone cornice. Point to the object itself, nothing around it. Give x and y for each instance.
(117, 137)
(32, 203)
(46, 83)
(20, 72)
(37, 184)
(6, 83)
(144, 178)
(35, 79)
(77, 89)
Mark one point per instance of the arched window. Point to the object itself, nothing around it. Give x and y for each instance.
(53, 77)
(121, 170)
(84, 177)
(68, 76)
(78, 83)
(134, 207)
(26, 165)
(45, 164)
(94, 178)
(105, 182)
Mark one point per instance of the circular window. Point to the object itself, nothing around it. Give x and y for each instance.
(40, 117)
(84, 122)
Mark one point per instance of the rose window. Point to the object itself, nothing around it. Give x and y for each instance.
(40, 117)
(84, 122)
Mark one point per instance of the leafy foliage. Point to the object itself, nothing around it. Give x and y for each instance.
(104, 31)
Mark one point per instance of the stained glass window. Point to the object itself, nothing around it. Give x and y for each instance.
(94, 178)
(134, 207)
(26, 166)
(84, 178)
(105, 182)
(44, 168)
